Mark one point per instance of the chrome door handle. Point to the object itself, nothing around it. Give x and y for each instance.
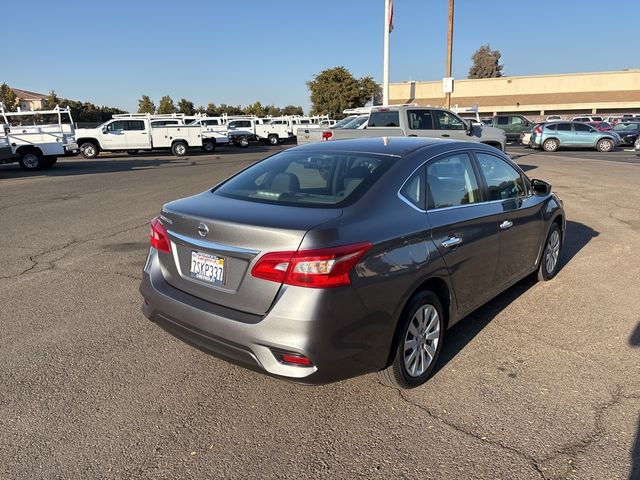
(452, 242)
(506, 225)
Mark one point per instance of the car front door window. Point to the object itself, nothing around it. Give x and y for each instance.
(447, 121)
(503, 181)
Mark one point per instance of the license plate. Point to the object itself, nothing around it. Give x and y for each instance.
(208, 268)
(72, 146)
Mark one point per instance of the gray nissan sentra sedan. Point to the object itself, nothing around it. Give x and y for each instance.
(336, 259)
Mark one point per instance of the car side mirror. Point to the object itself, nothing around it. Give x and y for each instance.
(540, 187)
(104, 129)
(469, 128)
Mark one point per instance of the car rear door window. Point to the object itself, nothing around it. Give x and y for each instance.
(419, 119)
(564, 127)
(384, 119)
(503, 120)
(414, 189)
(503, 181)
(451, 182)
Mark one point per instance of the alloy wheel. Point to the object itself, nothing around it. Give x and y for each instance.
(552, 251)
(421, 340)
(31, 161)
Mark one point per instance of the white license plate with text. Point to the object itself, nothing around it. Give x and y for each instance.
(209, 268)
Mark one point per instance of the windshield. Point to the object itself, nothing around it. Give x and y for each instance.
(307, 179)
(344, 121)
(357, 122)
(626, 126)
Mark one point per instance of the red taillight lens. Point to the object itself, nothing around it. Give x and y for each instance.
(295, 359)
(159, 236)
(326, 136)
(538, 130)
(327, 267)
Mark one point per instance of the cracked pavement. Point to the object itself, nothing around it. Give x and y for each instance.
(541, 383)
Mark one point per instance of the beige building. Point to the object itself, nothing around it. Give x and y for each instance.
(29, 100)
(535, 95)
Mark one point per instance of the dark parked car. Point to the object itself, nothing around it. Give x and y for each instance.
(628, 132)
(336, 259)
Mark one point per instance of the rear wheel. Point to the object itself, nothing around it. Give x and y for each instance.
(273, 139)
(604, 145)
(89, 150)
(31, 160)
(419, 342)
(179, 149)
(550, 145)
(242, 142)
(209, 146)
(549, 262)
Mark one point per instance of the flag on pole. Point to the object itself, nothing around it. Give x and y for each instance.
(390, 15)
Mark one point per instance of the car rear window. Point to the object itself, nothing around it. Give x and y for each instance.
(384, 119)
(309, 179)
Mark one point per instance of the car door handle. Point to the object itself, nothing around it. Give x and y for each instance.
(143, 133)
(444, 135)
(452, 242)
(506, 225)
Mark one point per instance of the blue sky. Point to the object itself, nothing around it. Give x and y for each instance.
(238, 52)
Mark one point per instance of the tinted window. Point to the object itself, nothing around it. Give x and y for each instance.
(116, 126)
(581, 127)
(414, 189)
(451, 182)
(356, 122)
(210, 122)
(304, 179)
(420, 119)
(503, 181)
(503, 120)
(384, 119)
(564, 127)
(448, 121)
(552, 127)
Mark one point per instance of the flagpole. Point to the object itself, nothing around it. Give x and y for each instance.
(385, 74)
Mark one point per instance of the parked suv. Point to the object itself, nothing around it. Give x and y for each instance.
(588, 118)
(553, 135)
(512, 125)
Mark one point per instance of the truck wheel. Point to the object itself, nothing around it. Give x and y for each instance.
(242, 142)
(49, 162)
(209, 146)
(273, 139)
(132, 152)
(31, 160)
(89, 150)
(179, 149)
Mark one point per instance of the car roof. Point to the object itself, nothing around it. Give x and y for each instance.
(394, 146)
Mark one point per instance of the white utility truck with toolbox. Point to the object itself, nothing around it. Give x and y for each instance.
(278, 130)
(134, 132)
(36, 139)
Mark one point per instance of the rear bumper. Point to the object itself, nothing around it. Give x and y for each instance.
(330, 327)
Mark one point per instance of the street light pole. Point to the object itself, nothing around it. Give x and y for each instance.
(449, 50)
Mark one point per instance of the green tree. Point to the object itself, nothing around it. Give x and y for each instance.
(8, 97)
(146, 105)
(166, 105)
(50, 101)
(486, 63)
(336, 89)
(201, 109)
(273, 111)
(292, 110)
(212, 110)
(255, 109)
(186, 107)
(230, 109)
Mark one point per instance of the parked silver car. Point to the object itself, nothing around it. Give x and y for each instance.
(336, 259)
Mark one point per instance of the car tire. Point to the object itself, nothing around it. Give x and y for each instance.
(132, 152)
(89, 150)
(179, 149)
(550, 145)
(605, 145)
(209, 147)
(550, 260)
(273, 139)
(419, 340)
(31, 160)
(242, 142)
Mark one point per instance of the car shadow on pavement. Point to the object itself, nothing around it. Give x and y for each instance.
(577, 237)
(634, 341)
(526, 168)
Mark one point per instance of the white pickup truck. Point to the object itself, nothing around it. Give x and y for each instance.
(278, 130)
(36, 139)
(136, 133)
(413, 121)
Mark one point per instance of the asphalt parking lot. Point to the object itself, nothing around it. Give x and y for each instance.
(541, 383)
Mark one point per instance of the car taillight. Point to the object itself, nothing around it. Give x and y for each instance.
(322, 268)
(326, 136)
(538, 130)
(159, 236)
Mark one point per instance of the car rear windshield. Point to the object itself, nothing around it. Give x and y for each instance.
(309, 179)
